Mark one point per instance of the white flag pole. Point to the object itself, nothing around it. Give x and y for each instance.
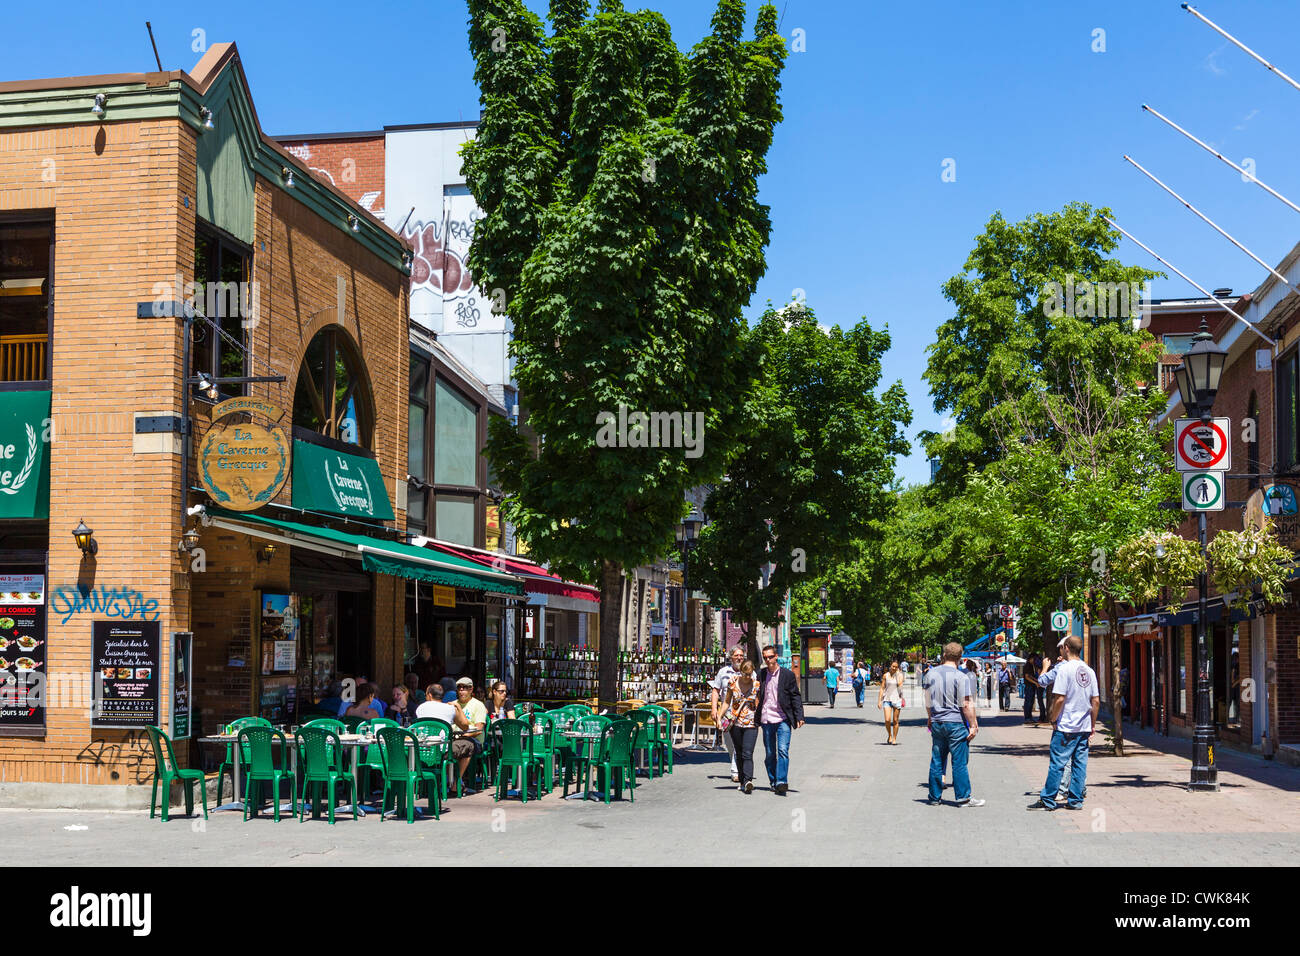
(1223, 305)
(1206, 219)
(1214, 152)
(1228, 36)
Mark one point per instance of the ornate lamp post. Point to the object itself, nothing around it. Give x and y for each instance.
(1198, 384)
(688, 533)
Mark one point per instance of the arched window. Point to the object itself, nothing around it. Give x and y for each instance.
(332, 395)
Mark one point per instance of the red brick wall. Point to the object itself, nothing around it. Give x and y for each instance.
(356, 166)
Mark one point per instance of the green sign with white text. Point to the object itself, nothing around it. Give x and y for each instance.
(337, 483)
(25, 435)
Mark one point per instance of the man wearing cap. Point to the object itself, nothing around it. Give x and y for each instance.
(1075, 703)
(476, 713)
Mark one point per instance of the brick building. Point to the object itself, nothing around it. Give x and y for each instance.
(158, 251)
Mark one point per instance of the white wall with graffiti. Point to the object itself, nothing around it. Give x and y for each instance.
(422, 170)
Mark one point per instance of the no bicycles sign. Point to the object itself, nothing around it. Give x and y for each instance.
(1200, 446)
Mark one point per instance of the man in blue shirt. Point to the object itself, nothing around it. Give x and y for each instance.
(832, 683)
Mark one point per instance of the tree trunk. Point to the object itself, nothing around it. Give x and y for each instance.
(751, 642)
(1115, 710)
(611, 604)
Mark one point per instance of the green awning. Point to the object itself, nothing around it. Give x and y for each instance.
(383, 556)
(336, 483)
(25, 434)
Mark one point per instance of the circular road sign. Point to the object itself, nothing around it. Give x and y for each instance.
(1203, 491)
(1203, 445)
(1060, 621)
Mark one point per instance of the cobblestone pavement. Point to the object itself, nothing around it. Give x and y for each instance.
(853, 800)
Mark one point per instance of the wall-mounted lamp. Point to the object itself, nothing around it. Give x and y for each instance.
(206, 387)
(189, 541)
(354, 223)
(265, 553)
(98, 107)
(205, 114)
(287, 175)
(85, 539)
(407, 260)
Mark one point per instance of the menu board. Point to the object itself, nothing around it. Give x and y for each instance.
(127, 662)
(182, 676)
(280, 622)
(22, 654)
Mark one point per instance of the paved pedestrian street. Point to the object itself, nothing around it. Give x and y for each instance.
(854, 800)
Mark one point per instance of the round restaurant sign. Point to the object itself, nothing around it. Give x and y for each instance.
(243, 466)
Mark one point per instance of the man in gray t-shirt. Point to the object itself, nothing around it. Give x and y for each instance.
(950, 710)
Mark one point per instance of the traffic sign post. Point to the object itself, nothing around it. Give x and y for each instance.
(1060, 620)
(1203, 491)
(1203, 446)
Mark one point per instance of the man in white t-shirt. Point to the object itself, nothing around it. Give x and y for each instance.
(718, 696)
(1075, 702)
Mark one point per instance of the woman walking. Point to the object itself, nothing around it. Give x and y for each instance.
(741, 716)
(890, 700)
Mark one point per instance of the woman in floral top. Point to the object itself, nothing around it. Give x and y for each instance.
(741, 706)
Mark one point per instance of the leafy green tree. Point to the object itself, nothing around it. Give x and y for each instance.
(623, 234)
(815, 467)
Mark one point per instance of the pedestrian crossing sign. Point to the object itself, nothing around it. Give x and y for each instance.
(1203, 491)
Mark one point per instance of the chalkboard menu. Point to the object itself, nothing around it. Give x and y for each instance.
(128, 673)
(22, 654)
(182, 667)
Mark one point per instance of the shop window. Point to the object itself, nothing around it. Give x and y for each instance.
(1288, 387)
(443, 444)
(222, 297)
(455, 517)
(26, 300)
(417, 430)
(1179, 662)
(456, 458)
(332, 396)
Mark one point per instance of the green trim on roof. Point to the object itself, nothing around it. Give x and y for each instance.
(126, 102)
(401, 560)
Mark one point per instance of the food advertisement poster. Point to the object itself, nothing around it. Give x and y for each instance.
(22, 654)
(280, 620)
(127, 661)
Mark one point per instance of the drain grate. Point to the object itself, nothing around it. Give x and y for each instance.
(840, 776)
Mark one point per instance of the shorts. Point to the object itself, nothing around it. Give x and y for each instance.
(893, 704)
(463, 747)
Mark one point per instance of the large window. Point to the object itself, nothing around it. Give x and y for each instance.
(222, 295)
(332, 397)
(444, 438)
(1288, 386)
(26, 300)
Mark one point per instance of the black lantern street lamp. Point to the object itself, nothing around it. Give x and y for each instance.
(85, 539)
(688, 533)
(1198, 383)
(821, 593)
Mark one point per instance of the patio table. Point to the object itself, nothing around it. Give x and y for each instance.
(588, 740)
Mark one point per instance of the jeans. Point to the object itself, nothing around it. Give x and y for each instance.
(1032, 692)
(831, 692)
(731, 750)
(743, 739)
(1004, 696)
(859, 693)
(776, 741)
(949, 738)
(1071, 749)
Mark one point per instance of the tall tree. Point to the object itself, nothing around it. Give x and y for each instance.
(814, 471)
(619, 182)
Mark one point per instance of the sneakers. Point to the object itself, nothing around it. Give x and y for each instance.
(970, 803)
(935, 803)
(1039, 805)
(748, 787)
(781, 788)
(735, 778)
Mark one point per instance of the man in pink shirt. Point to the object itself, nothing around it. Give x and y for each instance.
(780, 711)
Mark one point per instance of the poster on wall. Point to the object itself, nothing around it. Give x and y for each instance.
(126, 658)
(22, 654)
(182, 673)
(280, 622)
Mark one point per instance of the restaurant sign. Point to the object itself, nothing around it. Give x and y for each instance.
(242, 464)
(182, 683)
(338, 483)
(127, 660)
(22, 654)
(1276, 502)
(25, 432)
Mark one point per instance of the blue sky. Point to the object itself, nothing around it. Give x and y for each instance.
(882, 96)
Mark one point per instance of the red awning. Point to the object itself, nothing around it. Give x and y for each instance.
(537, 580)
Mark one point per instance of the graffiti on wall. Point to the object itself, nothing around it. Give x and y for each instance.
(123, 603)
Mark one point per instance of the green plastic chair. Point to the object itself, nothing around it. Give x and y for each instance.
(664, 740)
(327, 723)
(257, 743)
(435, 754)
(516, 754)
(585, 752)
(166, 770)
(228, 765)
(352, 723)
(372, 762)
(320, 757)
(614, 762)
(399, 775)
(646, 738)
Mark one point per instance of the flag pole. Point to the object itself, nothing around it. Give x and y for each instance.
(1228, 36)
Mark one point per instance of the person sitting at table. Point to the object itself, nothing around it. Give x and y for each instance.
(476, 713)
(360, 685)
(413, 688)
(365, 706)
(333, 699)
(448, 690)
(462, 748)
(403, 709)
(499, 703)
